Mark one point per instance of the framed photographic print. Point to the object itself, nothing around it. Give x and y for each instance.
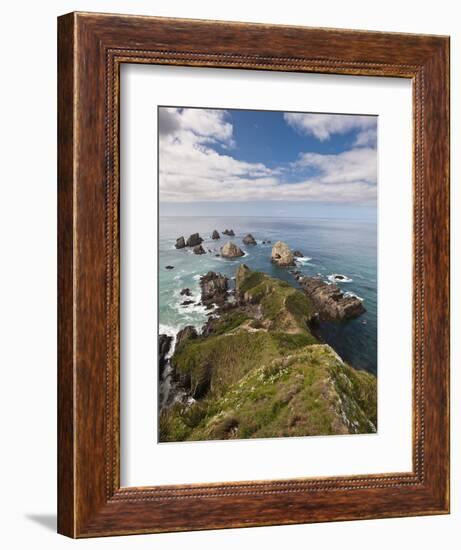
(253, 275)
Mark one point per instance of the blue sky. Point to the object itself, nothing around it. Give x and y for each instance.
(263, 163)
(264, 136)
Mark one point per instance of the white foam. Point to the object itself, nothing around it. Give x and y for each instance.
(333, 278)
(169, 330)
(304, 260)
(353, 295)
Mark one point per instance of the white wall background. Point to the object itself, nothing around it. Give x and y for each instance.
(28, 271)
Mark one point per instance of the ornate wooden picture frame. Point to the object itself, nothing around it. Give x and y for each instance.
(92, 47)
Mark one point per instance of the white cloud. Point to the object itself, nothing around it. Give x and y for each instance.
(191, 170)
(355, 165)
(207, 125)
(367, 138)
(324, 126)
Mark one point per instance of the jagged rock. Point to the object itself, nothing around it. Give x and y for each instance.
(249, 239)
(282, 255)
(241, 274)
(164, 345)
(187, 333)
(169, 267)
(229, 232)
(194, 240)
(231, 250)
(209, 326)
(187, 302)
(180, 242)
(185, 292)
(330, 301)
(199, 249)
(298, 254)
(213, 288)
(215, 235)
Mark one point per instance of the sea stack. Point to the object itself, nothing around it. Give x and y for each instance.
(215, 235)
(282, 255)
(249, 239)
(194, 240)
(180, 242)
(231, 250)
(229, 232)
(199, 249)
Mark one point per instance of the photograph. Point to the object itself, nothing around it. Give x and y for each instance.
(229, 240)
(267, 274)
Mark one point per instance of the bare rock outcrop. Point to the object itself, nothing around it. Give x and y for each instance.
(282, 255)
(229, 232)
(215, 235)
(231, 250)
(194, 240)
(199, 249)
(180, 242)
(164, 345)
(330, 301)
(187, 333)
(214, 288)
(249, 239)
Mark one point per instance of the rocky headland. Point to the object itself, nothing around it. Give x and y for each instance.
(257, 370)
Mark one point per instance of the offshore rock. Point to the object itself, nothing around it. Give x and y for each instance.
(249, 239)
(282, 255)
(231, 250)
(194, 240)
(199, 249)
(215, 235)
(180, 242)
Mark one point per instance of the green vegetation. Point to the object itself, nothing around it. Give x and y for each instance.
(261, 373)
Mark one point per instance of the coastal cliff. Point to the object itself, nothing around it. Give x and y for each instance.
(256, 369)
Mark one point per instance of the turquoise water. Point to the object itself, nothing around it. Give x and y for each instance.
(329, 246)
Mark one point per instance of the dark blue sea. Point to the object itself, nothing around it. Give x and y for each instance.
(330, 247)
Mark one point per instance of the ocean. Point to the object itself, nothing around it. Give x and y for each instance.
(330, 246)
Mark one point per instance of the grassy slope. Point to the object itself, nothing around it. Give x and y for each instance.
(266, 375)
